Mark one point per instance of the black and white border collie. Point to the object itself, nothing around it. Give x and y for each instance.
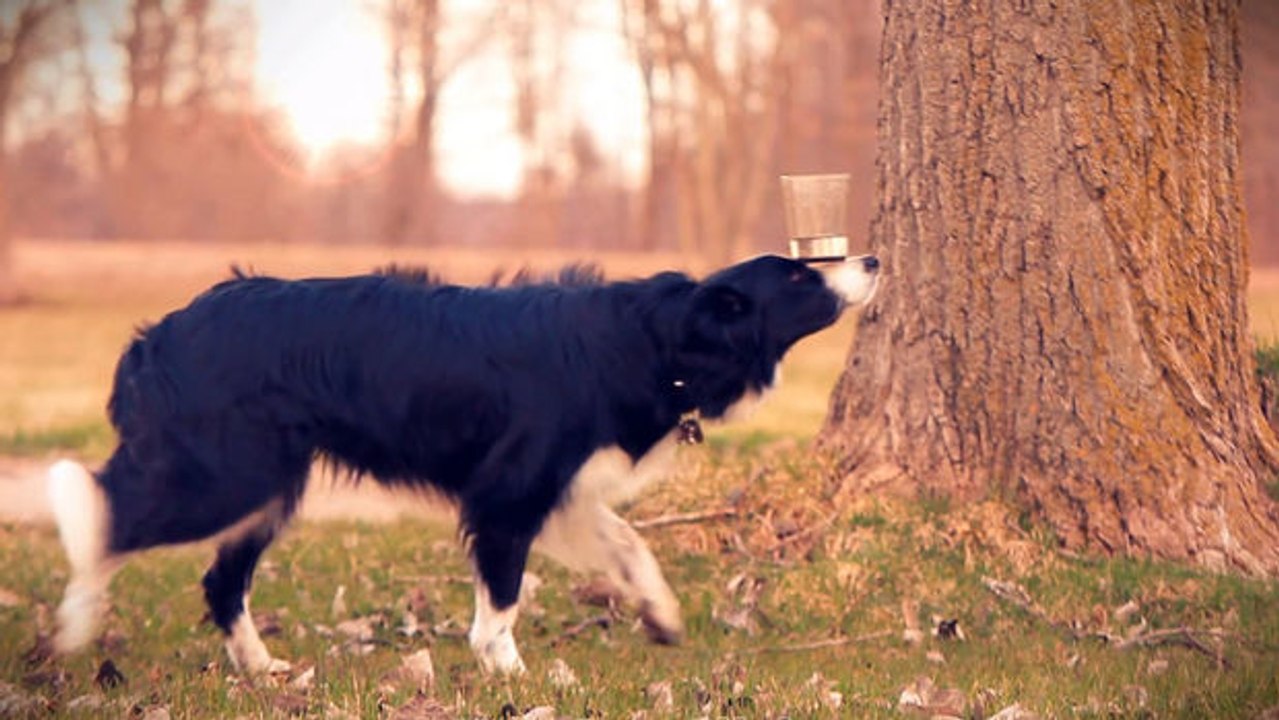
(533, 407)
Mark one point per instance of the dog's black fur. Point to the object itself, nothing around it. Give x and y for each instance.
(493, 396)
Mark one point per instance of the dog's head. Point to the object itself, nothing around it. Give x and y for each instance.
(742, 320)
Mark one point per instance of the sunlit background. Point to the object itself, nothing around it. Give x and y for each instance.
(621, 124)
(566, 123)
(325, 64)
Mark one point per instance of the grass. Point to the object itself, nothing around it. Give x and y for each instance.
(847, 579)
(827, 566)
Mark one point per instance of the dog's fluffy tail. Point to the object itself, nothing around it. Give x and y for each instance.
(80, 509)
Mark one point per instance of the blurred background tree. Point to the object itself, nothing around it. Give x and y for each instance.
(156, 123)
(24, 39)
(665, 122)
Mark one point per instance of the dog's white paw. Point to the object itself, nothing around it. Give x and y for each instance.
(662, 622)
(250, 662)
(498, 654)
(248, 653)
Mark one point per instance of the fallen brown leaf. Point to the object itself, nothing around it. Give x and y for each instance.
(92, 702)
(1127, 610)
(409, 625)
(661, 695)
(418, 669)
(291, 703)
(14, 702)
(337, 608)
(561, 675)
(359, 629)
(303, 682)
(826, 692)
(923, 697)
(1014, 712)
(422, 708)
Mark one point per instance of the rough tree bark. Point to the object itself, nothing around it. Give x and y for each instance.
(1063, 315)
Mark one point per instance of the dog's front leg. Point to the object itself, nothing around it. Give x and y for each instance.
(587, 536)
(499, 568)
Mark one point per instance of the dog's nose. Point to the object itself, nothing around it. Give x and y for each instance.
(871, 263)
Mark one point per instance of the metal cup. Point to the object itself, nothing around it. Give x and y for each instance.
(816, 209)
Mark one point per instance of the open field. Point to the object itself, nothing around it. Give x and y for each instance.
(805, 600)
(792, 611)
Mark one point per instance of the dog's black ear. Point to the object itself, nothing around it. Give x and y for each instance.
(723, 303)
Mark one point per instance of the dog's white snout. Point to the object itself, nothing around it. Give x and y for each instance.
(855, 279)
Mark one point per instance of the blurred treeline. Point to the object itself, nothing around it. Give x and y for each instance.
(735, 93)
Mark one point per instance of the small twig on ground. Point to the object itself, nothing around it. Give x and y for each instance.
(1184, 636)
(601, 621)
(684, 518)
(820, 644)
(807, 532)
(447, 579)
(1017, 595)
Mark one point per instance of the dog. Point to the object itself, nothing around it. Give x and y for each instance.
(533, 406)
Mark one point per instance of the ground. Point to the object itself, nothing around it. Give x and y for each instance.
(803, 597)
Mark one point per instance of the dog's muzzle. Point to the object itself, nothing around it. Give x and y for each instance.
(854, 280)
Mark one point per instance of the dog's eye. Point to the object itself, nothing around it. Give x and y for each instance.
(800, 275)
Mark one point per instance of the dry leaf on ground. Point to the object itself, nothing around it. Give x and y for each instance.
(408, 625)
(419, 669)
(661, 696)
(359, 629)
(1014, 712)
(14, 702)
(923, 697)
(337, 608)
(291, 704)
(561, 675)
(303, 682)
(422, 708)
(825, 690)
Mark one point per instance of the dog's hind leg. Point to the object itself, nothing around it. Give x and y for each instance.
(82, 513)
(585, 535)
(226, 589)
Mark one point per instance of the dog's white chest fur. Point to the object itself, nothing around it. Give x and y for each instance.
(611, 477)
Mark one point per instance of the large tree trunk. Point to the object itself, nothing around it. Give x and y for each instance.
(1063, 314)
